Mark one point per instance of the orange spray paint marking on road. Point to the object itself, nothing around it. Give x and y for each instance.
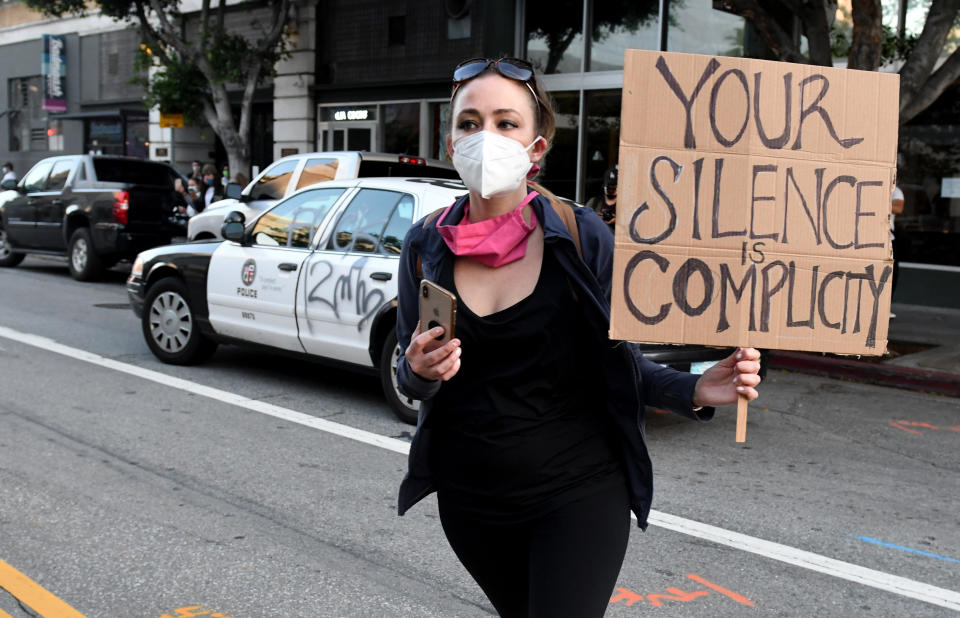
(675, 595)
(629, 597)
(906, 425)
(733, 595)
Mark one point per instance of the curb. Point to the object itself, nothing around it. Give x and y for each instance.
(907, 378)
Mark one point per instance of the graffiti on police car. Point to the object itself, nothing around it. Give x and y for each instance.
(349, 291)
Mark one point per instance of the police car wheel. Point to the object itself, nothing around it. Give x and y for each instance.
(7, 256)
(84, 263)
(404, 407)
(169, 326)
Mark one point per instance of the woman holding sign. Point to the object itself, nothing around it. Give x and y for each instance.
(529, 428)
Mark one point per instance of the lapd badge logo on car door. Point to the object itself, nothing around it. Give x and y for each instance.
(249, 272)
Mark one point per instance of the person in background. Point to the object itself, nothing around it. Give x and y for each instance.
(531, 422)
(605, 204)
(196, 171)
(896, 208)
(8, 173)
(212, 191)
(241, 179)
(193, 196)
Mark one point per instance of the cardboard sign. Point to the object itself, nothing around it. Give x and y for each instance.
(754, 204)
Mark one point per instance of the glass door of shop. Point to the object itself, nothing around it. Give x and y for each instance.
(347, 136)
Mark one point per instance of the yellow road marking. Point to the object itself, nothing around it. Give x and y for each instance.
(33, 595)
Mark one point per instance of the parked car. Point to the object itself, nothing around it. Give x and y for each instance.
(292, 173)
(96, 210)
(315, 276)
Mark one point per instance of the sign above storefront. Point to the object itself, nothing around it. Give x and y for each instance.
(54, 70)
(349, 114)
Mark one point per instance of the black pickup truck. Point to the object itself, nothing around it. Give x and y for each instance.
(95, 210)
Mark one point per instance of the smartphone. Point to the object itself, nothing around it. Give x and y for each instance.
(438, 307)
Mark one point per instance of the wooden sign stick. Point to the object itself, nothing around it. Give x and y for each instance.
(742, 402)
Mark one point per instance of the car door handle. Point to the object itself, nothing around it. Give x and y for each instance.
(288, 266)
(381, 276)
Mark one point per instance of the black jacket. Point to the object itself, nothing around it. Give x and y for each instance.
(631, 381)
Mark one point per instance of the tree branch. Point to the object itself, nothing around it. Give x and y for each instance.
(767, 27)
(270, 41)
(930, 91)
(916, 70)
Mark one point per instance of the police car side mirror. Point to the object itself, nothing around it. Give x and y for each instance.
(233, 227)
(233, 191)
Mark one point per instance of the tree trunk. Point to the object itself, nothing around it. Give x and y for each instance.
(237, 143)
(865, 50)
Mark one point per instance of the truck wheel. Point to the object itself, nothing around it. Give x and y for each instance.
(84, 264)
(7, 256)
(405, 408)
(169, 326)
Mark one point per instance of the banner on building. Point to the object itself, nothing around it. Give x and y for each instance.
(54, 72)
(754, 204)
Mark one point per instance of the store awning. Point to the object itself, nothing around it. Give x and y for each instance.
(100, 114)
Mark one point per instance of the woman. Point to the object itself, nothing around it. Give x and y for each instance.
(528, 429)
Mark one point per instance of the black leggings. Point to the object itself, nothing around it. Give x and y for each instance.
(564, 563)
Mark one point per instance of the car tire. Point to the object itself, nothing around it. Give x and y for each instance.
(170, 326)
(8, 257)
(84, 263)
(405, 408)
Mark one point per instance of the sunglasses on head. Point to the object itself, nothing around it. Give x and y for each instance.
(511, 68)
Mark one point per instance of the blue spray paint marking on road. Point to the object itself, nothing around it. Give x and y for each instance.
(909, 549)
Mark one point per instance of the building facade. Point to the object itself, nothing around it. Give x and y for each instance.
(376, 75)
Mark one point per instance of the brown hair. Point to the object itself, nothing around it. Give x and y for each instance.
(543, 108)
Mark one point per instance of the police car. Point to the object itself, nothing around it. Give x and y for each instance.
(315, 275)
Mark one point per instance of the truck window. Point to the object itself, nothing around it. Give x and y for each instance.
(58, 177)
(134, 172)
(273, 184)
(37, 177)
(318, 170)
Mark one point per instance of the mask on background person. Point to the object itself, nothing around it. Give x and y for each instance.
(491, 164)
(208, 181)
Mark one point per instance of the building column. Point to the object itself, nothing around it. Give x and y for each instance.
(294, 110)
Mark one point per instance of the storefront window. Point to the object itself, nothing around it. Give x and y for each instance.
(603, 138)
(555, 35)
(138, 136)
(439, 113)
(559, 173)
(401, 128)
(105, 136)
(620, 25)
(696, 28)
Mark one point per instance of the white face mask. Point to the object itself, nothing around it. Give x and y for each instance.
(491, 164)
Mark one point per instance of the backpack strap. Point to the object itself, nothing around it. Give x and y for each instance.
(427, 221)
(569, 218)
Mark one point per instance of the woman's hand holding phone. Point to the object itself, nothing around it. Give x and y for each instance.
(432, 361)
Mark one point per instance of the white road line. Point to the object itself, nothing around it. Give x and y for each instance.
(768, 549)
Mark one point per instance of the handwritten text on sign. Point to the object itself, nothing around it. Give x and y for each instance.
(754, 204)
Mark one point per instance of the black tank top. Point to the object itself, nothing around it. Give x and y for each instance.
(522, 427)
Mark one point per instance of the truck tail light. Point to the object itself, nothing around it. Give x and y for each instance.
(121, 206)
(413, 160)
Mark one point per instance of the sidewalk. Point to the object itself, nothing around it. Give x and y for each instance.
(923, 354)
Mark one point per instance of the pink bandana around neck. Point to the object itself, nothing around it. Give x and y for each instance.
(492, 242)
